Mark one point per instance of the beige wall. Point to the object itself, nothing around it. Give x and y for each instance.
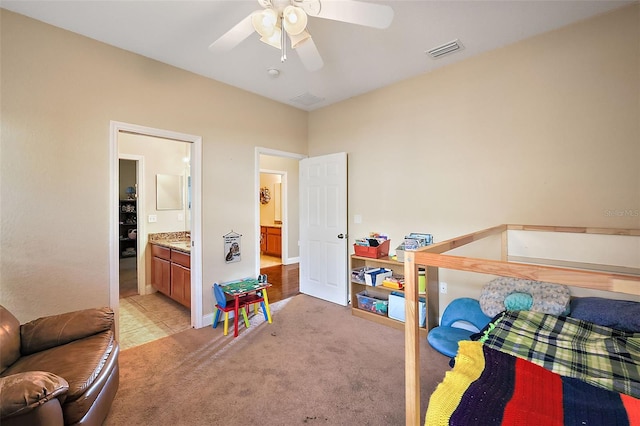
(268, 211)
(545, 131)
(59, 93)
(159, 156)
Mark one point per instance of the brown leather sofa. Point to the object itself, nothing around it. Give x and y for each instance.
(61, 369)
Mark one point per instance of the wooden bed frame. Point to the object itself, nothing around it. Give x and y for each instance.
(576, 274)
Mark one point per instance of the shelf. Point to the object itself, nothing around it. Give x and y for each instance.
(381, 287)
(386, 260)
(356, 287)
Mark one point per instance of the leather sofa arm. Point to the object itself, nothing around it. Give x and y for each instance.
(23, 392)
(48, 332)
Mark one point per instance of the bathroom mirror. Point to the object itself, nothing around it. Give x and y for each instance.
(169, 192)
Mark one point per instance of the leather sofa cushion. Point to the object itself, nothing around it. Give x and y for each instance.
(78, 362)
(48, 332)
(9, 339)
(20, 393)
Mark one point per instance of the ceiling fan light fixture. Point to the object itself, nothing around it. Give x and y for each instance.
(297, 40)
(274, 40)
(295, 20)
(265, 22)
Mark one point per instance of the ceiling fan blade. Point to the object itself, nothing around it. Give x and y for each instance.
(234, 36)
(309, 55)
(356, 12)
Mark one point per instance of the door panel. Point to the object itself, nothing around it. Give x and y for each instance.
(323, 216)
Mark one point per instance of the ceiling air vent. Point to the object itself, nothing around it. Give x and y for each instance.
(445, 49)
(306, 99)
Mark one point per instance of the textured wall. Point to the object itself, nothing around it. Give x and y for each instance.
(544, 131)
(59, 93)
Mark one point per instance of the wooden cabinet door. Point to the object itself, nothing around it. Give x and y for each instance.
(263, 239)
(274, 242)
(161, 275)
(181, 284)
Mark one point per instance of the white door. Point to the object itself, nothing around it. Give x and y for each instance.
(323, 227)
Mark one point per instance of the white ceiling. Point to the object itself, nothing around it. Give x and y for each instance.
(357, 59)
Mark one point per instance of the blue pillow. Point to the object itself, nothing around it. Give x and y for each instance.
(623, 315)
(518, 302)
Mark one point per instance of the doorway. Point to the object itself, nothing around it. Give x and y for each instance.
(281, 167)
(194, 149)
(272, 183)
(128, 226)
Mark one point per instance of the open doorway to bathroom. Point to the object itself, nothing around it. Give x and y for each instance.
(271, 217)
(278, 220)
(146, 210)
(128, 227)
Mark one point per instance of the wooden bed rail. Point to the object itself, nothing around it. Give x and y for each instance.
(432, 258)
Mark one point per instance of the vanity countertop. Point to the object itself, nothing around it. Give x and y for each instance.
(180, 241)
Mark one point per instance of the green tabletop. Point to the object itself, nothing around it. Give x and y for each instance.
(243, 286)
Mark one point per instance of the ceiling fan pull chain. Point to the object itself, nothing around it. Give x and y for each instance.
(283, 40)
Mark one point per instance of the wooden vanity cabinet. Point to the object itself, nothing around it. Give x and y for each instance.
(263, 239)
(171, 273)
(271, 240)
(181, 277)
(161, 269)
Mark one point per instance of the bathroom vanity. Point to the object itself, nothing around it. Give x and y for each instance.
(171, 268)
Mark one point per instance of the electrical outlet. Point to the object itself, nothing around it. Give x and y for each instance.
(153, 218)
(443, 288)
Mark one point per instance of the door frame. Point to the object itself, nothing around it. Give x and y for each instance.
(115, 128)
(285, 208)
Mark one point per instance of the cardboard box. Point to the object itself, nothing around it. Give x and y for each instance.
(396, 308)
(374, 277)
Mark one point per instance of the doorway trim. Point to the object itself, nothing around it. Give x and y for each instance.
(115, 127)
(141, 240)
(285, 207)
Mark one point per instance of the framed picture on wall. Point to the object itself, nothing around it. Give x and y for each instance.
(232, 247)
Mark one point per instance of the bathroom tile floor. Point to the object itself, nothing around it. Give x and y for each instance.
(150, 317)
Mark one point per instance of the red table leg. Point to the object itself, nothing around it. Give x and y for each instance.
(236, 308)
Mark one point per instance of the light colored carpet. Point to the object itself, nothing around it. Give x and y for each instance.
(316, 364)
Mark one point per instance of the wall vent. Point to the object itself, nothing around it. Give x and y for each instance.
(445, 49)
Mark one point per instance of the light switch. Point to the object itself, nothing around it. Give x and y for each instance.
(153, 218)
(180, 217)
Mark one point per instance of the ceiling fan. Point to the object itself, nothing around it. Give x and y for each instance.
(282, 19)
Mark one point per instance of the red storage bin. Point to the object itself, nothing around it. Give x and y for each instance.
(373, 252)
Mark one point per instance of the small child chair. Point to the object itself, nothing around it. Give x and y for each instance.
(445, 337)
(226, 306)
(255, 300)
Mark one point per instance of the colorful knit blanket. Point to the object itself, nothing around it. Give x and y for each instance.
(598, 355)
(489, 387)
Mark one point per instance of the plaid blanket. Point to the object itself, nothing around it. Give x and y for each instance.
(601, 356)
(489, 387)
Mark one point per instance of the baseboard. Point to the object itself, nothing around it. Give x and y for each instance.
(291, 260)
